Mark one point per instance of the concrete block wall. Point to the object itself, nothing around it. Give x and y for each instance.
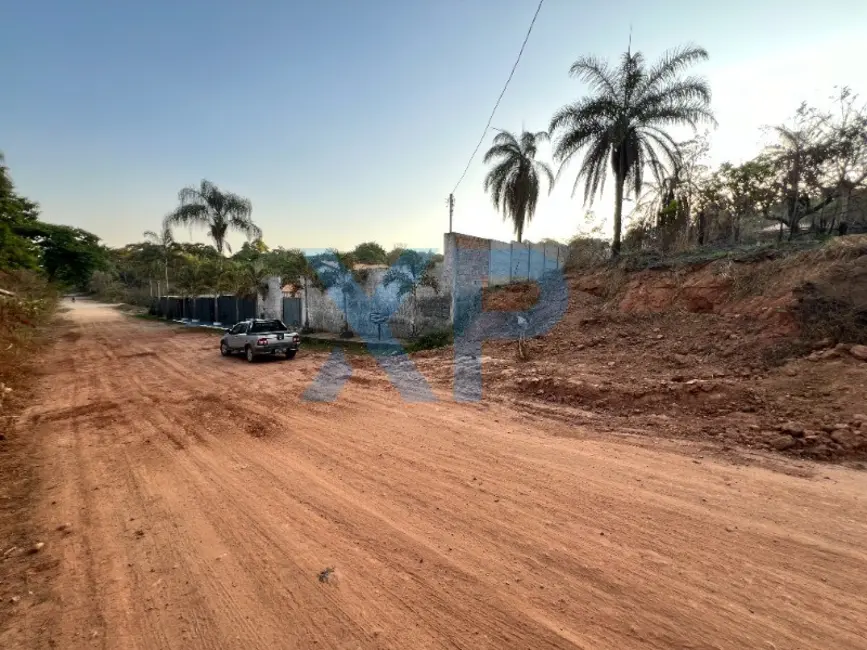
(488, 262)
(469, 263)
(326, 308)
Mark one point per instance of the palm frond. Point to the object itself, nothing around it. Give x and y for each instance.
(596, 73)
(189, 214)
(501, 151)
(674, 61)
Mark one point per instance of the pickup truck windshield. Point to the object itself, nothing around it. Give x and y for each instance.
(267, 326)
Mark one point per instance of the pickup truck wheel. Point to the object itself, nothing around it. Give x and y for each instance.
(224, 350)
(290, 354)
(250, 356)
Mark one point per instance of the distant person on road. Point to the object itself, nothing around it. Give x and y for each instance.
(73, 298)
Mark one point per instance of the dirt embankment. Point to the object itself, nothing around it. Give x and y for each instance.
(759, 354)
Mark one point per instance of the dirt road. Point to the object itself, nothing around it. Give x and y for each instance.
(202, 498)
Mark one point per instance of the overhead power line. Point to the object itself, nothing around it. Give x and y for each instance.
(497, 104)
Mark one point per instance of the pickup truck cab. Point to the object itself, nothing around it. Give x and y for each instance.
(258, 337)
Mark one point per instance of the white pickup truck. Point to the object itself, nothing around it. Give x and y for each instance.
(257, 337)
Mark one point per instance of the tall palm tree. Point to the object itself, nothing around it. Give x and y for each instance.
(624, 121)
(166, 242)
(217, 211)
(514, 180)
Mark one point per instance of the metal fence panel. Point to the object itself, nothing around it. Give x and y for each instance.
(292, 312)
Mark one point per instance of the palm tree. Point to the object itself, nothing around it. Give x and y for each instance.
(215, 210)
(514, 180)
(624, 121)
(413, 270)
(166, 242)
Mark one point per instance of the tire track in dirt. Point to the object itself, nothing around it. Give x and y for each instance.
(331, 513)
(685, 542)
(450, 525)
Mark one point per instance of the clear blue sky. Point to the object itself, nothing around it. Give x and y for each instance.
(345, 121)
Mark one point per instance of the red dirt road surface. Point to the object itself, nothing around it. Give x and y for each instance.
(192, 501)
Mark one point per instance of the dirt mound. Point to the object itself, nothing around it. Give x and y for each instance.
(741, 351)
(697, 396)
(762, 284)
(510, 297)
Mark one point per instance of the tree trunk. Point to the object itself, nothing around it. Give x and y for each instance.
(793, 225)
(844, 205)
(167, 276)
(618, 214)
(216, 307)
(237, 310)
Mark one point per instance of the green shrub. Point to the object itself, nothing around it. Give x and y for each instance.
(432, 341)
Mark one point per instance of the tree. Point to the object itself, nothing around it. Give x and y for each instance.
(198, 275)
(251, 250)
(217, 211)
(197, 249)
(165, 241)
(247, 279)
(412, 270)
(665, 210)
(16, 251)
(369, 253)
(514, 180)
(843, 138)
(625, 121)
(69, 256)
(394, 254)
(290, 264)
(797, 159)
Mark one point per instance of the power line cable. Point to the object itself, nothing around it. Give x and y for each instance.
(511, 74)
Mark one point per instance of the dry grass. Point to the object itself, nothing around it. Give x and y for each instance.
(23, 317)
